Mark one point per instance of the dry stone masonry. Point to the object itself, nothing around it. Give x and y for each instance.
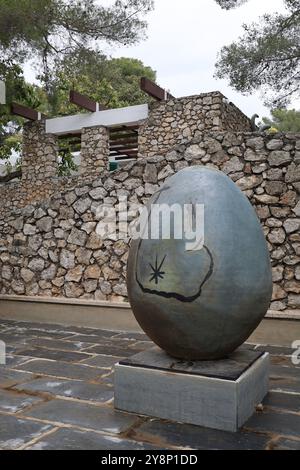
(40, 166)
(49, 244)
(179, 120)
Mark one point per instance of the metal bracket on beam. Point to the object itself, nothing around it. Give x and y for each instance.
(149, 87)
(27, 113)
(85, 102)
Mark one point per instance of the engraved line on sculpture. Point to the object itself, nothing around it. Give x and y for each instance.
(176, 295)
(157, 273)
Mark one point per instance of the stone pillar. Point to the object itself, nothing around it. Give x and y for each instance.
(39, 153)
(94, 150)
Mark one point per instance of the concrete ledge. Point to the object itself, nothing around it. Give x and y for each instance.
(276, 329)
(95, 314)
(285, 314)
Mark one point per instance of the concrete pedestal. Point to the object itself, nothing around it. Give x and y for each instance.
(216, 394)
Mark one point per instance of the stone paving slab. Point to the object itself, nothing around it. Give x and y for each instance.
(276, 350)
(17, 334)
(96, 337)
(14, 361)
(54, 354)
(12, 402)
(136, 336)
(69, 388)
(101, 340)
(283, 401)
(4, 327)
(108, 379)
(63, 370)
(284, 378)
(52, 327)
(102, 361)
(84, 415)
(275, 422)
(12, 339)
(91, 331)
(280, 360)
(69, 439)
(292, 371)
(112, 349)
(60, 344)
(15, 432)
(79, 395)
(286, 444)
(10, 377)
(196, 437)
(143, 345)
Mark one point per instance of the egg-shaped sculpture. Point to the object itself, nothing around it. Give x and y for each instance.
(199, 298)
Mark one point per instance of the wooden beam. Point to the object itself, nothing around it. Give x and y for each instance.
(119, 136)
(27, 113)
(124, 157)
(129, 116)
(85, 102)
(119, 152)
(133, 128)
(121, 141)
(154, 90)
(70, 136)
(124, 147)
(11, 176)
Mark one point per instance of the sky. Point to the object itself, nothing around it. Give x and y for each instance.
(184, 38)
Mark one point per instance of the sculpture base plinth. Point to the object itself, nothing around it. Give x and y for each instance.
(219, 394)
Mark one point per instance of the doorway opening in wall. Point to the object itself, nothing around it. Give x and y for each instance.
(123, 145)
(69, 150)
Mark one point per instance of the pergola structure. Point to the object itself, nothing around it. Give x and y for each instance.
(123, 123)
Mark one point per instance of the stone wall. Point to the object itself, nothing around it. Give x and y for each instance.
(40, 178)
(51, 248)
(178, 121)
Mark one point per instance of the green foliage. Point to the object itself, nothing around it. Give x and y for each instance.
(66, 164)
(112, 82)
(48, 30)
(16, 90)
(266, 57)
(62, 39)
(284, 120)
(10, 144)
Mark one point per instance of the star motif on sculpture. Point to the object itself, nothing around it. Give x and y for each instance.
(157, 273)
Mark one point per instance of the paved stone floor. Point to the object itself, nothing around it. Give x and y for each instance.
(56, 392)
